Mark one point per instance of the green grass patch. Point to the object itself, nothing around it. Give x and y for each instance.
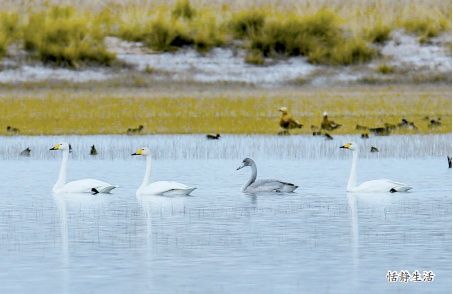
(385, 69)
(65, 37)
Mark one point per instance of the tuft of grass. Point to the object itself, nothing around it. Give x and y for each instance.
(425, 28)
(183, 9)
(9, 30)
(65, 38)
(254, 57)
(379, 33)
(385, 69)
(352, 52)
(246, 23)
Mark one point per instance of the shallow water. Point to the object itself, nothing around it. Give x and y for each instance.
(318, 240)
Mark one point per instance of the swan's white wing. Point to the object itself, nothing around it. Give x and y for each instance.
(166, 188)
(270, 185)
(382, 185)
(86, 186)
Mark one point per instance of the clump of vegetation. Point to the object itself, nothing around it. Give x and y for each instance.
(254, 57)
(64, 37)
(352, 51)
(379, 33)
(319, 37)
(385, 69)
(425, 28)
(9, 30)
(183, 9)
(247, 23)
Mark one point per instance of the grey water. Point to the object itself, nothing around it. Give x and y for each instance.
(317, 240)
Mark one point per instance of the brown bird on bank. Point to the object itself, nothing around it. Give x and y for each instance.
(361, 128)
(374, 149)
(407, 124)
(434, 123)
(213, 136)
(25, 152)
(133, 131)
(11, 130)
(93, 150)
(328, 125)
(380, 131)
(287, 122)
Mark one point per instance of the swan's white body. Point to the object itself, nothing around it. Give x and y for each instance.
(80, 186)
(164, 188)
(265, 185)
(374, 186)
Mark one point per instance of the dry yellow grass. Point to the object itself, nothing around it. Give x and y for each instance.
(250, 111)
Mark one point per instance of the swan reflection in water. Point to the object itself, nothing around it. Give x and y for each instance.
(65, 203)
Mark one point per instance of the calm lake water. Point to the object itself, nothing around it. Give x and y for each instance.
(317, 240)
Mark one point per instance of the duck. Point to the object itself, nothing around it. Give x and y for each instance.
(213, 136)
(328, 125)
(160, 188)
(133, 131)
(287, 122)
(265, 185)
(374, 186)
(380, 131)
(361, 128)
(80, 186)
(26, 152)
(434, 123)
(374, 149)
(12, 130)
(93, 151)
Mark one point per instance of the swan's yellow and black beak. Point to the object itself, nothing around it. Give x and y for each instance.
(346, 146)
(242, 165)
(138, 152)
(56, 147)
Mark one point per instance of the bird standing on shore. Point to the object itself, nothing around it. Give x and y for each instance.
(287, 122)
(328, 125)
(93, 150)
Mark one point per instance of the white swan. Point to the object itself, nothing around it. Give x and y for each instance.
(267, 185)
(80, 186)
(165, 188)
(375, 186)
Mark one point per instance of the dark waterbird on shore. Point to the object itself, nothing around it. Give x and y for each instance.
(12, 130)
(328, 125)
(449, 161)
(25, 152)
(405, 124)
(361, 128)
(380, 131)
(374, 149)
(434, 123)
(93, 150)
(287, 123)
(213, 136)
(133, 131)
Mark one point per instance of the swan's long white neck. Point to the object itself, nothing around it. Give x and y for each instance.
(253, 176)
(147, 172)
(62, 176)
(352, 182)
